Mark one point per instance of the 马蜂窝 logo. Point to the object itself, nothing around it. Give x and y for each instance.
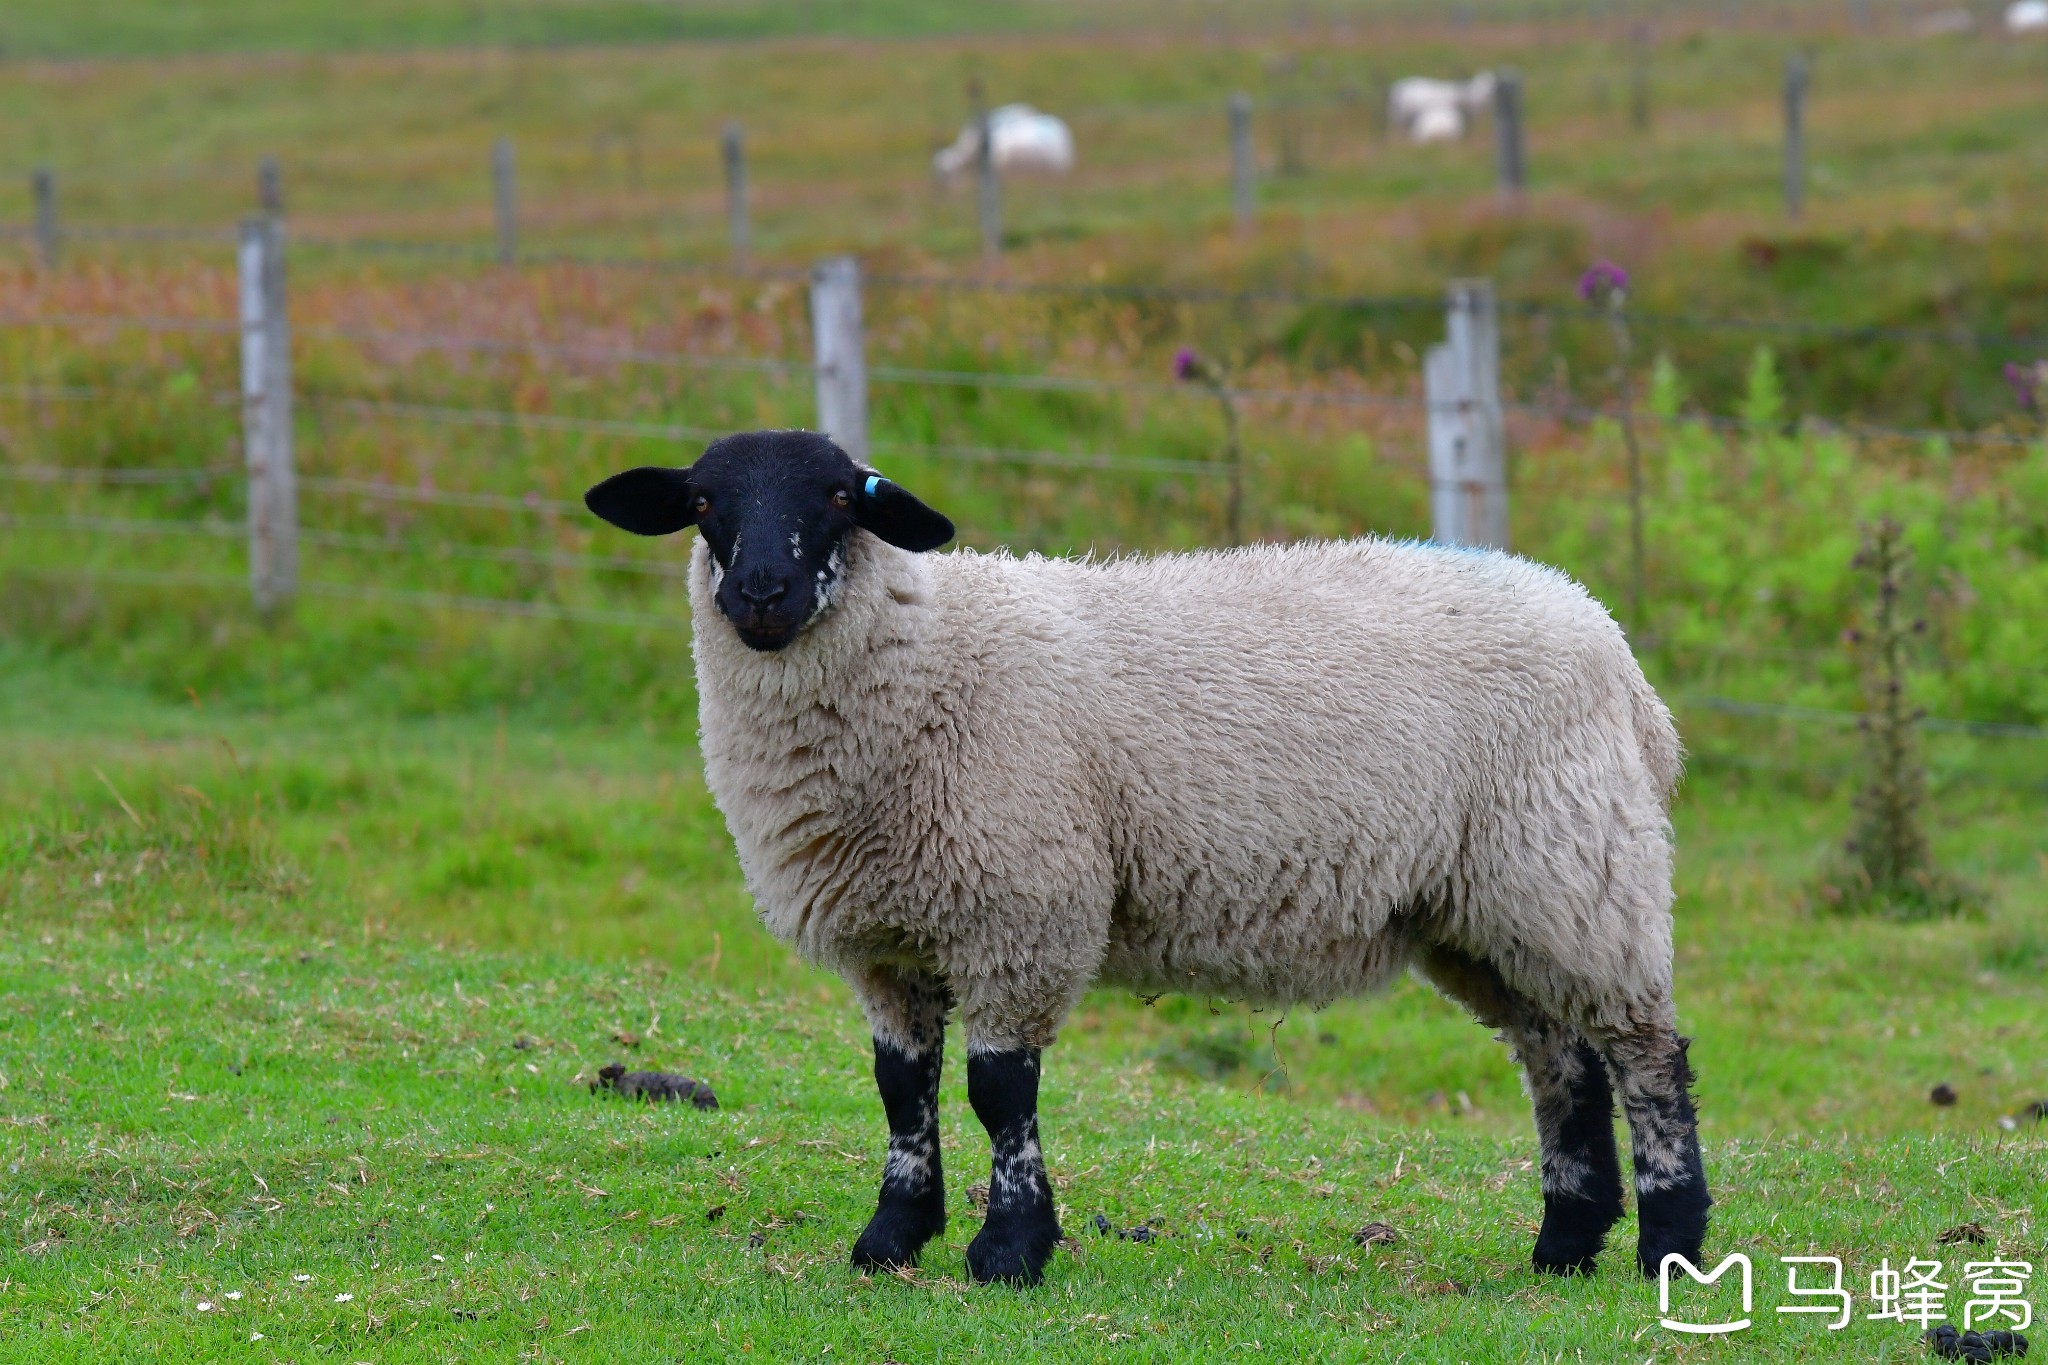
(1693, 1272)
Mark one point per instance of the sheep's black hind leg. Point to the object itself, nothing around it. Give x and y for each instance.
(1568, 1089)
(1581, 1172)
(908, 1013)
(1653, 1076)
(1022, 1227)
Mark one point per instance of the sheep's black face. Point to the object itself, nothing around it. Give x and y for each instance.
(775, 509)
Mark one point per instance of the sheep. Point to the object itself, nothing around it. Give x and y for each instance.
(1022, 138)
(1280, 774)
(1426, 109)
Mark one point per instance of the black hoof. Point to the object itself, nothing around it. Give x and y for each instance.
(1666, 1230)
(1012, 1254)
(896, 1233)
(1574, 1231)
(1551, 1259)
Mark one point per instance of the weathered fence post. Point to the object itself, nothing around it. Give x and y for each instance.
(1468, 490)
(1510, 158)
(1795, 135)
(505, 193)
(45, 184)
(739, 229)
(267, 417)
(269, 188)
(1243, 171)
(988, 188)
(837, 351)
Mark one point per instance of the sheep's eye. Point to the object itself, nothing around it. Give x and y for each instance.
(842, 499)
(702, 504)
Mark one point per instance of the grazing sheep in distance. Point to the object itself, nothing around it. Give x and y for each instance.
(1280, 774)
(1023, 139)
(1424, 109)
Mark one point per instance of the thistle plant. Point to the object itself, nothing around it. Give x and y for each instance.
(1190, 367)
(2028, 383)
(1605, 286)
(1889, 864)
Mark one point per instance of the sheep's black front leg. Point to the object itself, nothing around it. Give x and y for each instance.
(908, 1012)
(1018, 1238)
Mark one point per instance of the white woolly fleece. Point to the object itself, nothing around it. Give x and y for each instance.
(1272, 774)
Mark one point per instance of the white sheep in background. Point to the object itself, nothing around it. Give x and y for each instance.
(1279, 774)
(2026, 16)
(1425, 109)
(1023, 140)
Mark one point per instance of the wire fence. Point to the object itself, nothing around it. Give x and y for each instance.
(1338, 392)
(1562, 409)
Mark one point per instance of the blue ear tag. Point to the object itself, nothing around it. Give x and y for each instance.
(874, 481)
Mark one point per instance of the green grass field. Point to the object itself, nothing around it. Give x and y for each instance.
(266, 971)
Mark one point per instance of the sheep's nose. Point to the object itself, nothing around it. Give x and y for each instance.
(762, 597)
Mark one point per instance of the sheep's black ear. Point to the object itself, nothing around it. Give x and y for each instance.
(649, 501)
(894, 514)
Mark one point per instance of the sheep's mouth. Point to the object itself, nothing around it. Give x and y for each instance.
(767, 636)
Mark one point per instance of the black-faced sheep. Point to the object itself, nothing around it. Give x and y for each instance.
(1275, 774)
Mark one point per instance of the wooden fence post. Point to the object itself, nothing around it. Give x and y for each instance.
(739, 229)
(267, 417)
(1510, 157)
(45, 184)
(1795, 135)
(1243, 170)
(505, 194)
(988, 189)
(269, 188)
(1468, 492)
(837, 351)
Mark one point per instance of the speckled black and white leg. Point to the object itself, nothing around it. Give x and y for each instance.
(1653, 1077)
(1573, 1104)
(1022, 1228)
(1581, 1167)
(907, 1010)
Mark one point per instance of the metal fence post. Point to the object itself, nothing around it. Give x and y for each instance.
(45, 184)
(1468, 492)
(837, 350)
(1243, 173)
(732, 145)
(1795, 135)
(1511, 165)
(988, 188)
(267, 417)
(505, 191)
(269, 188)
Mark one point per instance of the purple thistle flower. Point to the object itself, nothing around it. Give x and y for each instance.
(1604, 277)
(2026, 382)
(1185, 363)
